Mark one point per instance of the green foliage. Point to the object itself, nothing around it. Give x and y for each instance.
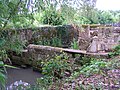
(69, 14)
(3, 55)
(94, 67)
(2, 75)
(105, 17)
(56, 42)
(15, 14)
(52, 17)
(37, 19)
(74, 44)
(56, 65)
(21, 21)
(114, 63)
(7, 43)
(81, 60)
(115, 52)
(54, 69)
(11, 43)
(16, 45)
(8, 9)
(83, 64)
(82, 20)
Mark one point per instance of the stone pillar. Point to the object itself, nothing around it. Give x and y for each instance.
(93, 48)
(112, 29)
(100, 32)
(88, 31)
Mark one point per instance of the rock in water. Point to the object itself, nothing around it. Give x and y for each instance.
(18, 85)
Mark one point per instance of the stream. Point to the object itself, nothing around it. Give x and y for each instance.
(26, 75)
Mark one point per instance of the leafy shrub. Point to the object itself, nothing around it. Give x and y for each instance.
(54, 69)
(94, 67)
(114, 64)
(83, 60)
(83, 65)
(74, 44)
(22, 22)
(3, 57)
(7, 43)
(52, 17)
(115, 52)
(56, 66)
(81, 20)
(2, 75)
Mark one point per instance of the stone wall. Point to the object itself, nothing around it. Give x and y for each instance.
(35, 54)
(39, 53)
(84, 39)
(64, 33)
(103, 38)
(93, 40)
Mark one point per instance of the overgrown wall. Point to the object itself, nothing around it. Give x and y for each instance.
(61, 36)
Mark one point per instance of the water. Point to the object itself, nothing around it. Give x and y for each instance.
(26, 75)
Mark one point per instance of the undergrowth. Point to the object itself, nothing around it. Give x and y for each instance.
(61, 71)
(115, 52)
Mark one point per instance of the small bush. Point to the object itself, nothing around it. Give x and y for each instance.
(56, 66)
(115, 52)
(52, 17)
(54, 69)
(83, 60)
(74, 44)
(94, 67)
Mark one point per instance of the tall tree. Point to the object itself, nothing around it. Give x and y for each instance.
(87, 10)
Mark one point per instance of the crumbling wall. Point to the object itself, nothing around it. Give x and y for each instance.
(39, 53)
(40, 35)
(34, 55)
(84, 39)
(105, 39)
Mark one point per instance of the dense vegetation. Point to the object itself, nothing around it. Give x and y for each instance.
(33, 13)
(29, 13)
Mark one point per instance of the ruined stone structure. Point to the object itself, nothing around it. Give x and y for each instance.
(93, 41)
(107, 37)
(35, 54)
(65, 34)
(99, 38)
